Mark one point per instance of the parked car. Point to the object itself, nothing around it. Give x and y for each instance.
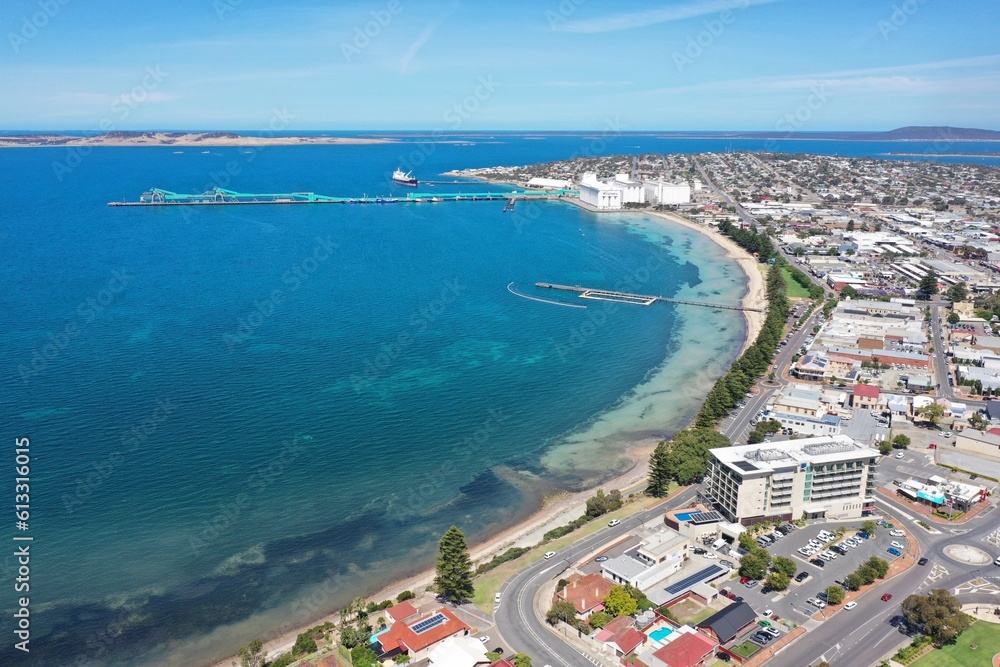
(767, 612)
(600, 559)
(897, 545)
(709, 554)
(773, 631)
(894, 551)
(801, 576)
(485, 639)
(698, 551)
(817, 562)
(752, 583)
(863, 535)
(744, 580)
(896, 533)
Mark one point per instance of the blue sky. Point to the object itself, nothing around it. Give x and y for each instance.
(550, 64)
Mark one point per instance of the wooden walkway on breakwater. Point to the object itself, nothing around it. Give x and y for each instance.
(637, 299)
(223, 197)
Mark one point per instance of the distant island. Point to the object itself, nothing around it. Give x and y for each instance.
(154, 138)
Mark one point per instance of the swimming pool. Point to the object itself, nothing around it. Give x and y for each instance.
(686, 516)
(661, 634)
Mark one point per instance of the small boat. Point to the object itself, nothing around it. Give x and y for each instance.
(404, 178)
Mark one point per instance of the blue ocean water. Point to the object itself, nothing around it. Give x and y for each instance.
(242, 417)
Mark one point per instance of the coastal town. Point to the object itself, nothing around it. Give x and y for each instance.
(824, 479)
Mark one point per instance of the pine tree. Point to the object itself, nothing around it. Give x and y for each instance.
(659, 471)
(928, 284)
(454, 567)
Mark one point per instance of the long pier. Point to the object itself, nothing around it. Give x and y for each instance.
(637, 299)
(223, 197)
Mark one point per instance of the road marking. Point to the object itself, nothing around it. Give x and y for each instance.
(993, 538)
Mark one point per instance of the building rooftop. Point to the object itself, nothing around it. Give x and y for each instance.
(782, 455)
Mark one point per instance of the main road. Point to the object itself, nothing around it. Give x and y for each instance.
(515, 617)
(865, 634)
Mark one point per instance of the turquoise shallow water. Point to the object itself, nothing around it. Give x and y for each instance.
(243, 417)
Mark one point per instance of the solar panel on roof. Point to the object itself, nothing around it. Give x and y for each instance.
(745, 465)
(687, 582)
(705, 517)
(428, 623)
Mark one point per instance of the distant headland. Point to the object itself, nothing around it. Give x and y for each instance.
(156, 138)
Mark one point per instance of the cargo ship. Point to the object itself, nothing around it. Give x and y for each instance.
(404, 179)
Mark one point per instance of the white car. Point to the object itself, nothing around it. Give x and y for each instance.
(710, 555)
(896, 545)
(899, 455)
(767, 612)
(850, 605)
(549, 554)
(896, 533)
(485, 639)
(496, 599)
(613, 523)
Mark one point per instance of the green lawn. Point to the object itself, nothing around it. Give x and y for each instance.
(795, 290)
(745, 650)
(959, 654)
(489, 583)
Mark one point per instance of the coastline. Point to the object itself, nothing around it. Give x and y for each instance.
(179, 140)
(561, 508)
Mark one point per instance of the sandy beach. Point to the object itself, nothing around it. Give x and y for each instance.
(178, 139)
(562, 508)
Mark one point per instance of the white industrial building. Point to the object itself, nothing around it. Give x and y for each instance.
(658, 192)
(632, 191)
(598, 194)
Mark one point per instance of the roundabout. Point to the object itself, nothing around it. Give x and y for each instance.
(968, 554)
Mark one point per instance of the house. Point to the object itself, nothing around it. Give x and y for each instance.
(587, 593)
(418, 635)
(627, 641)
(464, 651)
(865, 396)
(690, 649)
(400, 611)
(726, 624)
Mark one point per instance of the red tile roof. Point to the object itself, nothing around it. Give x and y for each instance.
(629, 639)
(620, 623)
(400, 611)
(402, 637)
(687, 650)
(866, 390)
(503, 663)
(587, 592)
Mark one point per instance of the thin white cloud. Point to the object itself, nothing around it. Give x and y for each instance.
(649, 17)
(917, 77)
(406, 64)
